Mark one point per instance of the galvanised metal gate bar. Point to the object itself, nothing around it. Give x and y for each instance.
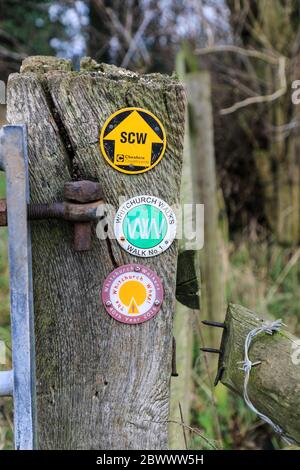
(20, 381)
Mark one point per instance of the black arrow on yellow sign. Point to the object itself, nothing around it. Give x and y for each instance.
(133, 140)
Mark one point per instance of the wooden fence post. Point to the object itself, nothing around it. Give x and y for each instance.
(100, 384)
(181, 386)
(205, 187)
(274, 384)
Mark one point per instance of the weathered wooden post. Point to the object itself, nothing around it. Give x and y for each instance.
(202, 146)
(274, 384)
(100, 384)
(183, 320)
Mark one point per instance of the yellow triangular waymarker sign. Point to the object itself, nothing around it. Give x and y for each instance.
(128, 147)
(133, 140)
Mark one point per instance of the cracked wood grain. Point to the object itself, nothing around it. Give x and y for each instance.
(100, 384)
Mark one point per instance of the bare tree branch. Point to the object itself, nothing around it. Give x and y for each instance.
(195, 431)
(134, 46)
(4, 52)
(183, 428)
(272, 59)
(124, 31)
(262, 98)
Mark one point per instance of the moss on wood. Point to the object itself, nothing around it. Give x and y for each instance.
(274, 386)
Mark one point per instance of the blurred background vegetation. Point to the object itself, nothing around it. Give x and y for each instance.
(255, 150)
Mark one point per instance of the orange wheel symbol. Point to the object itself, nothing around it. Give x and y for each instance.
(133, 294)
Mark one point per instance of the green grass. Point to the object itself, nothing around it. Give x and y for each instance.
(266, 278)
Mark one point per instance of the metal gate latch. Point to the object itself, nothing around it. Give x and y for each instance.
(82, 199)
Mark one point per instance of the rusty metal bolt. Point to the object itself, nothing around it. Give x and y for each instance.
(3, 213)
(82, 192)
(81, 207)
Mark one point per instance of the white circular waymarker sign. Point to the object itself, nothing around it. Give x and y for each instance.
(132, 294)
(145, 226)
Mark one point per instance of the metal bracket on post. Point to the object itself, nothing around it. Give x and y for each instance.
(20, 382)
(82, 199)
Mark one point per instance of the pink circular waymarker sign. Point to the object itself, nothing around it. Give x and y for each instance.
(132, 294)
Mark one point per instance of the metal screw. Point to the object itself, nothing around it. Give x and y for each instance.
(108, 303)
(156, 302)
(137, 268)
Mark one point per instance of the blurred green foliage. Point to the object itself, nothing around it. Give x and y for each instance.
(264, 277)
(26, 29)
